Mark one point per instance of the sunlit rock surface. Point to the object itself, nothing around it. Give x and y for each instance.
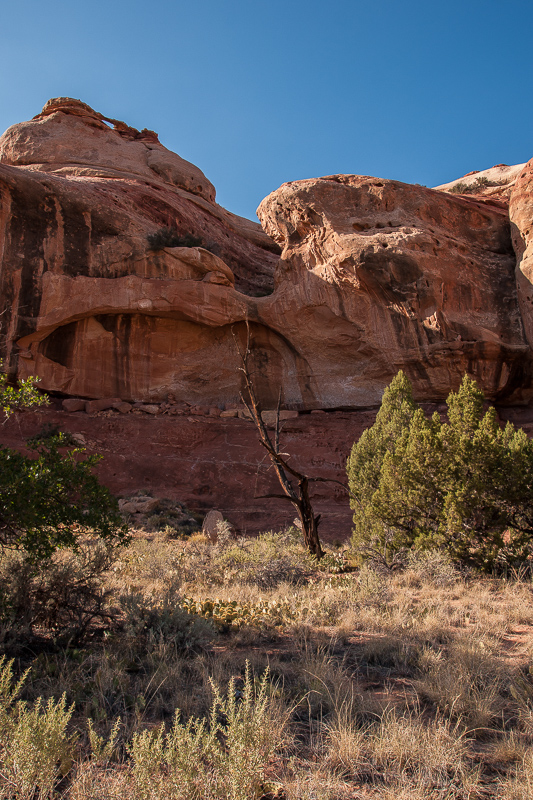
(374, 276)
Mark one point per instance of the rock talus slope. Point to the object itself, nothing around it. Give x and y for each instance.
(374, 276)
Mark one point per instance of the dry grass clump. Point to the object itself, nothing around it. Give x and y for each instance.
(412, 684)
(519, 784)
(466, 682)
(433, 754)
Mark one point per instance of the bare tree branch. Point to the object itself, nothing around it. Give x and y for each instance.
(297, 494)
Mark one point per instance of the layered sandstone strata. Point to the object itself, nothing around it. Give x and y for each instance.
(390, 276)
(80, 194)
(374, 276)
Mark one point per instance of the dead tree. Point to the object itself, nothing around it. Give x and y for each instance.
(295, 484)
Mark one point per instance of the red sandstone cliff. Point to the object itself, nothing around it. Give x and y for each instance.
(374, 275)
(78, 200)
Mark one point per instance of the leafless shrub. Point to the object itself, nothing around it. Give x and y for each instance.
(432, 566)
(65, 595)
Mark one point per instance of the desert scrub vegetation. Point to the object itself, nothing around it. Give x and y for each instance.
(388, 670)
(412, 683)
(223, 756)
(35, 749)
(46, 499)
(65, 594)
(58, 529)
(171, 237)
(471, 188)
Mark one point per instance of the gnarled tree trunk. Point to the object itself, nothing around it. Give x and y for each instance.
(295, 487)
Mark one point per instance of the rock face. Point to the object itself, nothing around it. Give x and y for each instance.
(211, 463)
(78, 201)
(207, 462)
(496, 182)
(87, 146)
(521, 215)
(374, 276)
(391, 276)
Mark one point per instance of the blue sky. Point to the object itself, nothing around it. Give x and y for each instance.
(259, 93)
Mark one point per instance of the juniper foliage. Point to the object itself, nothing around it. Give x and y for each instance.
(463, 485)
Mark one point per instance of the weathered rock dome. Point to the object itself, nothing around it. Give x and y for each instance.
(374, 276)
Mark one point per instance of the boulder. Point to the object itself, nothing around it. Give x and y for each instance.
(149, 408)
(92, 406)
(210, 527)
(123, 407)
(138, 505)
(73, 404)
(201, 411)
(270, 417)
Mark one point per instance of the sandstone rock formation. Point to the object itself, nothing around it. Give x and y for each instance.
(521, 215)
(206, 462)
(79, 198)
(496, 182)
(88, 146)
(389, 276)
(374, 276)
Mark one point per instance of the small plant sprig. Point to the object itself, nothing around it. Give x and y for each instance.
(35, 750)
(25, 395)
